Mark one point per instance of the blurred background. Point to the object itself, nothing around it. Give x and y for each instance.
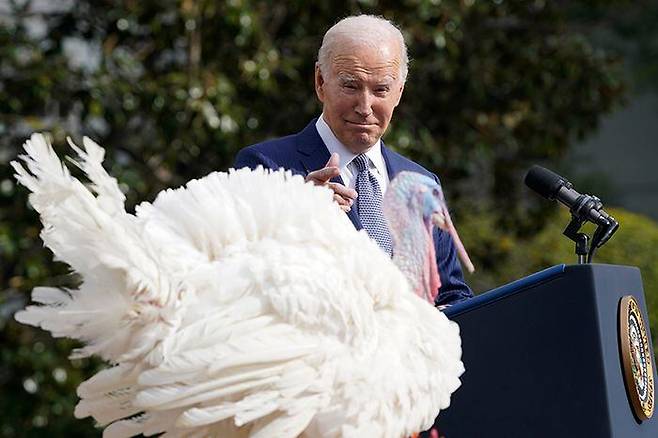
(173, 89)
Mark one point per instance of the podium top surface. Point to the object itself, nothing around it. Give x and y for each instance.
(528, 282)
(503, 291)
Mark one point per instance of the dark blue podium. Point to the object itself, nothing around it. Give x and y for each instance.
(543, 358)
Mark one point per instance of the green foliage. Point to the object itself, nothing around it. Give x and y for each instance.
(625, 27)
(497, 85)
(173, 89)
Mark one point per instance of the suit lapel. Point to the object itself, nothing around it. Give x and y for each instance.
(313, 155)
(394, 164)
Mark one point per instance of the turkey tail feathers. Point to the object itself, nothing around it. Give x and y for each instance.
(121, 308)
(244, 304)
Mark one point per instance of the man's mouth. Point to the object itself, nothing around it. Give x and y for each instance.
(361, 124)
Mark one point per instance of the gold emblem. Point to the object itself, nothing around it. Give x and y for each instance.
(636, 358)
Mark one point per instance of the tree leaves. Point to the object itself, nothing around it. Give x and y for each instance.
(173, 89)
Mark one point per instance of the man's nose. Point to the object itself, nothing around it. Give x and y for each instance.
(363, 105)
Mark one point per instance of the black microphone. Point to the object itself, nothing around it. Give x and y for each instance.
(552, 186)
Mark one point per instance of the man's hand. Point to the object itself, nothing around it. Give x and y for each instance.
(342, 195)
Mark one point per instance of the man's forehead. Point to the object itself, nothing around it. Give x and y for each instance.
(381, 60)
(387, 48)
(358, 75)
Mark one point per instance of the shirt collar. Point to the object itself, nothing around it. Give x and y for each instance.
(346, 156)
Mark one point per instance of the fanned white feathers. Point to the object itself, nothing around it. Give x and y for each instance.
(242, 305)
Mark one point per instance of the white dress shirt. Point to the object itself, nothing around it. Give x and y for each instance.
(347, 168)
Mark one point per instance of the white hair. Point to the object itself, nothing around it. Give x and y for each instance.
(362, 28)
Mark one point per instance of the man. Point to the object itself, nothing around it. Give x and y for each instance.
(359, 78)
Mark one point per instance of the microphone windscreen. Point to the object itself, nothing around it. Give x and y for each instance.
(544, 181)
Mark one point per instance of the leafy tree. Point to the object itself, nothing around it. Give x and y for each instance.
(627, 27)
(174, 88)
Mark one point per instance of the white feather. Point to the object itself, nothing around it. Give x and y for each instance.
(244, 304)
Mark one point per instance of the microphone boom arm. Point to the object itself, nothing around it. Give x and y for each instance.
(572, 231)
(606, 227)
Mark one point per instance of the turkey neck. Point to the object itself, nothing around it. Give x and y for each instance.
(415, 256)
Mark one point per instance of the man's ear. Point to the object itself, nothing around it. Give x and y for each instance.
(319, 83)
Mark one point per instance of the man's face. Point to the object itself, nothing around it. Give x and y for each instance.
(360, 92)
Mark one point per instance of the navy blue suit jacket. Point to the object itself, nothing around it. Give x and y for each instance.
(305, 151)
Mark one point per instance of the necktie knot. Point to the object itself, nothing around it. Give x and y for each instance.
(361, 162)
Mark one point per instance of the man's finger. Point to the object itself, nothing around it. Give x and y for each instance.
(342, 201)
(344, 204)
(322, 176)
(343, 191)
(330, 170)
(334, 160)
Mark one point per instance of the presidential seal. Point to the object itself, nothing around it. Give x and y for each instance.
(636, 358)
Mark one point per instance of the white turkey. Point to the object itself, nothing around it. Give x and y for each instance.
(225, 312)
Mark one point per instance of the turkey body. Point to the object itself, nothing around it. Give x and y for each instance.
(243, 304)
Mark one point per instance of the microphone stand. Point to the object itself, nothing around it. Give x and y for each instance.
(606, 227)
(581, 239)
